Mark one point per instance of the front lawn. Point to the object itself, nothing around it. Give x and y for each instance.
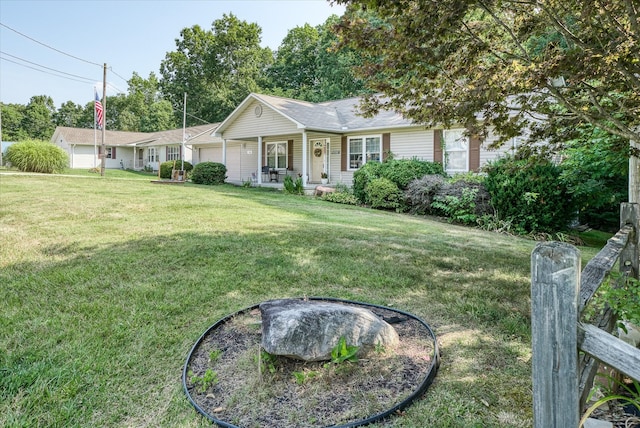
(107, 283)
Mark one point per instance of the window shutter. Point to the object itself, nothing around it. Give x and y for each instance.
(113, 153)
(343, 154)
(386, 145)
(180, 151)
(474, 152)
(290, 155)
(166, 153)
(437, 146)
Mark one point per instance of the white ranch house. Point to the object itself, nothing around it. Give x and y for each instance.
(267, 137)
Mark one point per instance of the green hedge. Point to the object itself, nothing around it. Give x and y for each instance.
(209, 173)
(167, 167)
(37, 156)
(530, 193)
(400, 172)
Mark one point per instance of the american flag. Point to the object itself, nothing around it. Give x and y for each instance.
(99, 112)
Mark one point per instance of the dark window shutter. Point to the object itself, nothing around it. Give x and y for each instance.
(113, 153)
(343, 155)
(290, 155)
(180, 151)
(166, 153)
(437, 146)
(474, 152)
(386, 145)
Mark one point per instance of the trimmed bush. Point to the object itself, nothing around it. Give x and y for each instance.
(37, 156)
(342, 195)
(384, 193)
(401, 172)
(209, 173)
(529, 193)
(167, 167)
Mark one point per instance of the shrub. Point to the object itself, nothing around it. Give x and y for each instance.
(458, 209)
(447, 195)
(342, 195)
(37, 156)
(401, 172)
(209, 173)
(293, 187)
(168, 166)
(384, 193)
(529, 192)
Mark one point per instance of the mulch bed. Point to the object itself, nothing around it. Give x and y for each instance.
(255, 389)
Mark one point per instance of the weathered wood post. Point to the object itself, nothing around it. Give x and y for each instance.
(630, 255)
(555, 283)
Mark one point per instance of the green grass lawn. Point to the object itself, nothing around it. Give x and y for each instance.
(105, 284)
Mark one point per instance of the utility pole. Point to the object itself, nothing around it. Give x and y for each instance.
(103, 155)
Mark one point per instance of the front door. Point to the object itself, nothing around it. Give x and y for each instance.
(319, 162)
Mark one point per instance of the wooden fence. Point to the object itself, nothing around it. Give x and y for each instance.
(566, 352)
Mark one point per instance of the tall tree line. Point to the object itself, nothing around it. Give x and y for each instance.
(217, 68)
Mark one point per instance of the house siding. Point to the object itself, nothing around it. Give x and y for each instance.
(247, 125)
(412, 143)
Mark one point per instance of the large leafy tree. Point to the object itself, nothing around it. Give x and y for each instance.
(38, 117)
(507, 65)
(307, 66)
(12, 115)
(217, 69)
(69, 114)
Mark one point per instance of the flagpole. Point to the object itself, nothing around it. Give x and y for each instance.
(184, 125)
(95, 133)
(104, 119)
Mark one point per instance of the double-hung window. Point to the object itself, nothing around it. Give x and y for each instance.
(277, 155)
(152, 155)
(456, 150)
(364, 149)
(173, 153)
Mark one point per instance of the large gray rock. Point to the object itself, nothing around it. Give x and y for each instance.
(309, 330)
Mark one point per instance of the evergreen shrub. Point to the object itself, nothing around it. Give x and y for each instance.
(530, 194)
(37, 156)
(209, 173)
(384, 193)
(168, 166)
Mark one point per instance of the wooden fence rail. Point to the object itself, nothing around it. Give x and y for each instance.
(560, 290)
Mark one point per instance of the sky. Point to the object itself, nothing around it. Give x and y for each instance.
(58, 48)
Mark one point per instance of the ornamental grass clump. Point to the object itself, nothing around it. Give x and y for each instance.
(37, 156)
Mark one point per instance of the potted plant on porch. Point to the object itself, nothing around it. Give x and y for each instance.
(324, 178)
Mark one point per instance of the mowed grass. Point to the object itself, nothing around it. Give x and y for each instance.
(105, 284)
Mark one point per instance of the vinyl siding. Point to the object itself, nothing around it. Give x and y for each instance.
(247, 125)
(412, 143)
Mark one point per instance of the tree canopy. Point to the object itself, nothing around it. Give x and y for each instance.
(507, 65)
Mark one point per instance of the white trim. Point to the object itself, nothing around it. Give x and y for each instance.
(364, 149)
(445, 150)
(286, 153)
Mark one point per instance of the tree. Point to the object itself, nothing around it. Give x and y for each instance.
(69, 114)
(12, 115)
(307, 66)
(501, 64)
(38, 117)
(217, 69)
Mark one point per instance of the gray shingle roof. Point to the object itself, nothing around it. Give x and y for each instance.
(85, 136)
(338, 116)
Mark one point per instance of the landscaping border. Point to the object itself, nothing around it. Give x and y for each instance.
(424, 385)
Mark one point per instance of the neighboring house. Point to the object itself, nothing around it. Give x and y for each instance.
(129, 150)
(267, 137)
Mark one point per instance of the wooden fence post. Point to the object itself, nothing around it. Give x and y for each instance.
(555, 283)
(630, 255)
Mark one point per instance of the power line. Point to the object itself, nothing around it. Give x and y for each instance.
(43, 66)
(50, 47)
(46, 72)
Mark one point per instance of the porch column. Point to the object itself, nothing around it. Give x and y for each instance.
(259, 174)
(305, 160)
(224, 151)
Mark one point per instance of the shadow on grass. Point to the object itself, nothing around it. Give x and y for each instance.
(98, 334)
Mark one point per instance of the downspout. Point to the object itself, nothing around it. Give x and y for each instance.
(305, 160)
(259, 160)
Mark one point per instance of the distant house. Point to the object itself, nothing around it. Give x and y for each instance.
(267, 137)
(129, 150)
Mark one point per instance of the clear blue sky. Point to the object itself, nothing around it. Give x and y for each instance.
(127, 35)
